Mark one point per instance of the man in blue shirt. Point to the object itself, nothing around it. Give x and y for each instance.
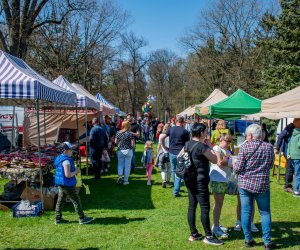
(98, 142)
(178, 136)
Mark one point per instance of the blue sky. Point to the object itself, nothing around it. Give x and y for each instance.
(162, 22)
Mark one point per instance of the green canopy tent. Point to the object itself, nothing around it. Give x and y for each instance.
(233, 107)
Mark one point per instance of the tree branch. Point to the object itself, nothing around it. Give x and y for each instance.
(7, 11)
(3, 41)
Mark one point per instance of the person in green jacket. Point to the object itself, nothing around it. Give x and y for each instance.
(218, 132)
(293, 152)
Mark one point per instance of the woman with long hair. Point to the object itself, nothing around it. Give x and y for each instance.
(162, 159)
(125, 141)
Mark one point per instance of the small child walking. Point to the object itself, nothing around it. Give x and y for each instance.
(148, 159)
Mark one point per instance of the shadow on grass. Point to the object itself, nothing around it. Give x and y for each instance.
(115, 220)
(104, 194)
(279, 231)
(88, 248)
(36, 248)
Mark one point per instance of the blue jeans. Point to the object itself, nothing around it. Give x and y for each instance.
(263, 203)
(124, 160)
(133, 159)
(176, 180)
(296, 164)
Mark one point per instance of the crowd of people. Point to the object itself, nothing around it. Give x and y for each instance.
(215, 169)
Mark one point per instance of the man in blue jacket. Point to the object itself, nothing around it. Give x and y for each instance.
(66, 181)
(98, 142)
(282, 145)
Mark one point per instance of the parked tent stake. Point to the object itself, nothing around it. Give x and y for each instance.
(39, 149)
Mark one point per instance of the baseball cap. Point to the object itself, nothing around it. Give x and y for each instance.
(67, 145)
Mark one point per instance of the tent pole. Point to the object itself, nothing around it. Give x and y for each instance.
(45, 139)
(86, 144)
(78, 143)
(39, 149)
(13, 129)
(279, 160)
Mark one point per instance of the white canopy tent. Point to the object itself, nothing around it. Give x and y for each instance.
(284, 105)
(216, 96)
(83, 101)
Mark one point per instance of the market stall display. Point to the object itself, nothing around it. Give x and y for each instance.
(23, 165)
(21, 86)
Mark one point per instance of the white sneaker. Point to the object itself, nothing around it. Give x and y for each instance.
(149, 183)
(238, 226)
(224, 229)
(212, 241)
(125, 183)
(217, 231)
(254, 229)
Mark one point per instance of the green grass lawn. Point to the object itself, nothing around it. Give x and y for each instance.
(141, 217)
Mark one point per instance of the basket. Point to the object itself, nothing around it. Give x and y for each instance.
(35, 211)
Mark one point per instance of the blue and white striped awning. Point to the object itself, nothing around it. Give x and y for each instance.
(82, 100)
(102, 99)
(103, 107)
(20, 85)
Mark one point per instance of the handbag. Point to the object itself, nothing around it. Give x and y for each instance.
(105, 157)
(78, 180)
(232, 185)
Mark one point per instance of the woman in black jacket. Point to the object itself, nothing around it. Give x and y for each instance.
(197, 185)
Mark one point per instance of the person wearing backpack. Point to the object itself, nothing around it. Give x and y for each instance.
(197, 184)
(178, 136)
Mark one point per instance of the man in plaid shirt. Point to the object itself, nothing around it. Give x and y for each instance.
(255, 159)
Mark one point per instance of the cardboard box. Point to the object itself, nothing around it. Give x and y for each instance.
(34, 195)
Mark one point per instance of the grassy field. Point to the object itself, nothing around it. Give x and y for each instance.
(138, 216)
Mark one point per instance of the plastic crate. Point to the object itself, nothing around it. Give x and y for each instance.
(36, 211)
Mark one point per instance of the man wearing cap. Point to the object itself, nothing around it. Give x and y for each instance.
(66, 181)
(98, 142)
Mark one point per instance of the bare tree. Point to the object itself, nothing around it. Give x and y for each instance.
(133, 67)
(160, 70)
(224, 41)
(82, 47)
(21, 18)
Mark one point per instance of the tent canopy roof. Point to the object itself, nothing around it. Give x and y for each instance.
(20, 85)
(102, 99)
(216, 96)
(284, 105)
(82, 100)
(105, 108)
(238, 104)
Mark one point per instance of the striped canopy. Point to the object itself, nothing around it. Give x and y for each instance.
(102, 99)
(82, 100)
(20, 85)
(107, 110)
